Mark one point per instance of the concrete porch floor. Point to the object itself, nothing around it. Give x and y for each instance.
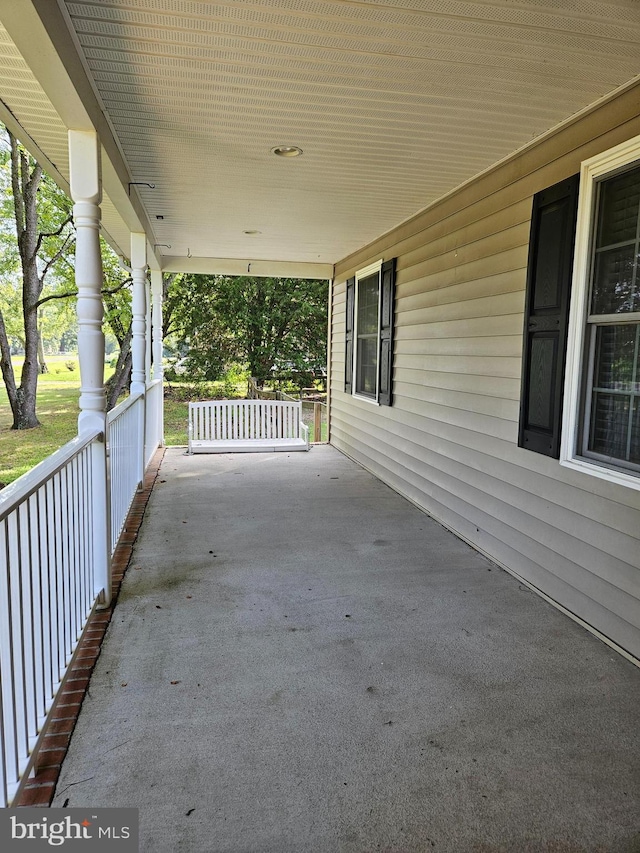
(302, 662)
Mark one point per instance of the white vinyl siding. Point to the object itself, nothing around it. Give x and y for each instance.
(449, 443)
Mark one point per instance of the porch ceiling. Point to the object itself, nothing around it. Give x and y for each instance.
(394, 103)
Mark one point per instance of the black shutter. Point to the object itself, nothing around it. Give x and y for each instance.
(551, 242)
(385, 368)
(348, 336)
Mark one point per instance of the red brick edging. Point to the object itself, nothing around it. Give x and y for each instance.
(39, 789)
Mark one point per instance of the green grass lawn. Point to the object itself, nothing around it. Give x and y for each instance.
(58, 393)
(176, 418)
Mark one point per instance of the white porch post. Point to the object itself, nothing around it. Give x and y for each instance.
(86, 192)
(148, 342)
(139, 311)
(156, 331)
(139, 334)
(156, 296)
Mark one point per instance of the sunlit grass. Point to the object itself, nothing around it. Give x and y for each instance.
(57, 410)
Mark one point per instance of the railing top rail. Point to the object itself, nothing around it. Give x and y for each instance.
(21, 489)
(152, 383)
(122, 407)
(279, 403)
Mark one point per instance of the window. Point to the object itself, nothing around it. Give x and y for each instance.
(602, 424)
(369, 333)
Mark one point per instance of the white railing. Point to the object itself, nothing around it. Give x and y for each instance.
(125, 460)
(58, 524)
(154, 427)
(47, 592)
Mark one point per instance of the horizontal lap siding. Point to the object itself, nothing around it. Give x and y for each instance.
(449, 443)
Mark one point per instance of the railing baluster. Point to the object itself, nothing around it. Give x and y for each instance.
(20, 638)
(75, 546)
(59, 603)
(38, 609)
(28, 627)
(45, 594)
(10, 752)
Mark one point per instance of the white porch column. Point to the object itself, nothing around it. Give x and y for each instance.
(148, 342)
(86, 192)
(139, 311)
(139, 337)
(156, 334)
(156, 297)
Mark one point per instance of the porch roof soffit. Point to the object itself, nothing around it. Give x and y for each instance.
(44, 92)
(394, 103)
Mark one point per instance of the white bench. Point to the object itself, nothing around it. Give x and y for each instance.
(246, 426)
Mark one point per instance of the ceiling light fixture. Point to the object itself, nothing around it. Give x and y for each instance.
(286, 151)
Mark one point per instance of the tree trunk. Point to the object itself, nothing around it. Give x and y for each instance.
(24, 415)
(25, 184)
(42, 363)
(116, 385)
(7, 367)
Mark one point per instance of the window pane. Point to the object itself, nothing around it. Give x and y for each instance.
(619, 202)
(610, 425)
(615, 356)
(613, 282)
(368, 305)
(367, 366)
(615, 426)
(367, 335)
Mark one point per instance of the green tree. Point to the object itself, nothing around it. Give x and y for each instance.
(116, 294)
(37, 281)
(270, 324)
(44, 236)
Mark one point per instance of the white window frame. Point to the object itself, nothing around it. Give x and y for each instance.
(596, 168)
(365, 273)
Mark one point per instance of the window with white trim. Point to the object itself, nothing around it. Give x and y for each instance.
(603, 420)
(611, 428)
(369, 333)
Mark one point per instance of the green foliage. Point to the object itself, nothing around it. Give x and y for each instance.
(270, 325)
(116, 293)
(55, 260)
(42, 310)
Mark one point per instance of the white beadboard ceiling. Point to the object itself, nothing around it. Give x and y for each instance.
(394, 103)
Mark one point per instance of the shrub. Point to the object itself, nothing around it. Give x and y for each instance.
(70, 365)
